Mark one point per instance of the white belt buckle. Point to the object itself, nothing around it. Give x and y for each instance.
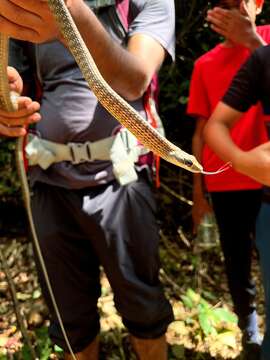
(80, 152)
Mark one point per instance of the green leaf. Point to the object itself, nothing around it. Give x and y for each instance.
(187, 301)
(208, 295)
(194, 297)
(26, 353)
(36, 294)
(206, 325)
(205, 304)
(178, 351)
(44, 345)
(23, 297)
(225, 315)
(57, 349)
(45, 352)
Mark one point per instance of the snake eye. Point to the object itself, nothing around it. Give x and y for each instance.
(188, 162)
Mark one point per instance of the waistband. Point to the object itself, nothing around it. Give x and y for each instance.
(121, 149)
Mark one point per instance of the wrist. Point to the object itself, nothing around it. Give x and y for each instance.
(239, 161)
(255, 42)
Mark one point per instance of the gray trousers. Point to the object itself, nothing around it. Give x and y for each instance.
(112, 226)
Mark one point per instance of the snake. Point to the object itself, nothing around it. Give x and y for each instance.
(111, 101)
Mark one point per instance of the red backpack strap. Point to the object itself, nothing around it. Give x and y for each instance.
(122, 7)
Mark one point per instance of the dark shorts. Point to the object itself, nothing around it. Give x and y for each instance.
(112, 226)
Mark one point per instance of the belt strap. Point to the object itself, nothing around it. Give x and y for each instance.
(121, 150)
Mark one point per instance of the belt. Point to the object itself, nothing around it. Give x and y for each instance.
(122, 150)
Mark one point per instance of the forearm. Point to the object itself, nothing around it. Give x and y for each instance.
(254, 163)
(128, 71)
(254, 42)
(124, 71)
(197, 150)
(217, 136)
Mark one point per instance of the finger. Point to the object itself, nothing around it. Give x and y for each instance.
(219, 16)
(26, 120)
(26, 107)
(12, 131)
(15, 80)
(226, 14)
(221, 32)
(244, 8)
(219, 24)
(32, 6)
(16, 31)
(17, 14)
(13, 74)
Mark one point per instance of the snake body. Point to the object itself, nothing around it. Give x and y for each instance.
(111, 101)
(119, 108)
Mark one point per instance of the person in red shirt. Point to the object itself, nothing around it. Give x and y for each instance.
(235, 198)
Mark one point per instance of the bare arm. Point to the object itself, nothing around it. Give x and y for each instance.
(128, 71)
(217, 132)
(254, 163)
(200, 204)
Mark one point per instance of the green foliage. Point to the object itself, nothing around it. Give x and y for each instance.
(44, 345)
(178, 351)
(9, 184)
(213, 320)
(44, 348)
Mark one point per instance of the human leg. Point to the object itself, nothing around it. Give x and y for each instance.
(129, 255)
(91, 352)
(236, 214)
(146, 349)
(72, 266)
(263, 245)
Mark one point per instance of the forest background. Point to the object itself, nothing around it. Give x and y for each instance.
(192, 270)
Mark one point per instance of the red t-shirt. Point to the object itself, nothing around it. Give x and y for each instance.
(211, 77)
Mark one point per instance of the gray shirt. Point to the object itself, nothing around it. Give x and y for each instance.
(71, 113)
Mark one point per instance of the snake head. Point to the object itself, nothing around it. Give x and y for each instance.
(186, 161)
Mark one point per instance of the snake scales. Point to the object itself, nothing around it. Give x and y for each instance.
(122, 111)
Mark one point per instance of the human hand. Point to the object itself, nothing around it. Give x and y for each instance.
(255, 163)
(201, 207)
(236, 25)
(29, 20)
(12, 124)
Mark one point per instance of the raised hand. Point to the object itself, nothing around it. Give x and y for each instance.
(236, 25)
(29, 20)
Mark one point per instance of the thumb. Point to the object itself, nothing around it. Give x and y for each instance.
(244, 9)
(15, 80)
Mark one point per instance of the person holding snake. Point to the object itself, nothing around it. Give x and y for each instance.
(87, 211)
